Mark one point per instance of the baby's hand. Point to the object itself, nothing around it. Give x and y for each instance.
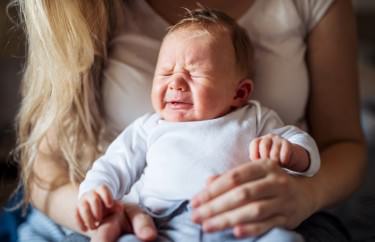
(274, 147)
(93, 206)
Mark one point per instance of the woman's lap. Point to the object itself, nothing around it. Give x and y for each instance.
(39, 228)
(321, 227)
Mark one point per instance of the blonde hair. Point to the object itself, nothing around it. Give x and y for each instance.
(67, 44)
(212, 20)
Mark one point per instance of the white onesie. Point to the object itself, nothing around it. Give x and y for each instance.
(174, 159)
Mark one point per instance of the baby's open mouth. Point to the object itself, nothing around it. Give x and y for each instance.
(177, 102)
(179, 105)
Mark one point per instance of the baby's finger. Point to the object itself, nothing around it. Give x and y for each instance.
(265, 147)
(105, 195)
(254, 149)
(86, 215)
(275, 150)
(80, 221)
(285, 152)
(96, 205)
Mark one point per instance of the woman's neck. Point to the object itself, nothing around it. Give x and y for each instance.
(172, 10)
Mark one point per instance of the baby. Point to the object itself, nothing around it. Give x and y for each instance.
(203, 125)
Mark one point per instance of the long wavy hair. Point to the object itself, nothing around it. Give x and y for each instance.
(61, 97)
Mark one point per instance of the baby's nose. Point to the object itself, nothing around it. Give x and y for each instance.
(178, 84)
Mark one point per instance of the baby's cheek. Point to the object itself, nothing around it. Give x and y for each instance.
(157, 100)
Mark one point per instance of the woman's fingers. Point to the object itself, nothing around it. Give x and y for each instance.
(143, 225)
(112, 227)
(254, 206)
(249, 213)
(258, 228)
(261, 189)
(229, 180)
(211, 179)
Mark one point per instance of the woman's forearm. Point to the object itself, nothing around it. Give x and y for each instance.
(59, 204)
(342, 168)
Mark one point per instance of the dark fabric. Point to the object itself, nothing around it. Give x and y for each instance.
(323, 227)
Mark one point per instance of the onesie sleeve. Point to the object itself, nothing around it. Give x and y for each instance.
(269, 122)
(122, 164)
(312, 11)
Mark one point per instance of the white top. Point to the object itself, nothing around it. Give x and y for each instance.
(173, 160)
(278, 29)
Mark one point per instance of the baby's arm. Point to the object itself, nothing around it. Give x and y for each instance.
(112, 176)
(274, 147)
(304, 159)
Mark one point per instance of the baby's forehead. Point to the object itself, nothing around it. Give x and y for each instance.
(192, 31)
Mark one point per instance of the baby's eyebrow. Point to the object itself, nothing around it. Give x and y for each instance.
(166, 66)
(199, 65)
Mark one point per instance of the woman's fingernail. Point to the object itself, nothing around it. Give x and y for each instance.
(238, 232)
(208, 226)
(196, 217)
(194, 203)
(147, 232)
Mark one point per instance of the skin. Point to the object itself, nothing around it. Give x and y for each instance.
(333, 118)
(192, 82)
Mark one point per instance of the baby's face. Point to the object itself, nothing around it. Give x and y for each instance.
(196, 76)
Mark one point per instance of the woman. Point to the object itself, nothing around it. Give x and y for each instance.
(305, 55)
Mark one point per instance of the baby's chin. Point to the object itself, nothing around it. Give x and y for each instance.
(177, 117)
(184, 116)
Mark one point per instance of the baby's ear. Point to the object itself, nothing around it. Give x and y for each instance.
(243, 92)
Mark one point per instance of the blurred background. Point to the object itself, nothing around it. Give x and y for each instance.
(358, 213)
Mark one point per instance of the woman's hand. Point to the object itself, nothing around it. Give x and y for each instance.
(128, 218)
(252, 199)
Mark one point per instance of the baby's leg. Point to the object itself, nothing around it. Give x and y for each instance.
(76, 237)
(178, 227)
(129, 238)
(175, 224)
(279, 234)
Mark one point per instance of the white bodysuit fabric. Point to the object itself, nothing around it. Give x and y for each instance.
(173, 160)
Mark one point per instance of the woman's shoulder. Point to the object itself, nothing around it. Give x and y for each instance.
(281, 14)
